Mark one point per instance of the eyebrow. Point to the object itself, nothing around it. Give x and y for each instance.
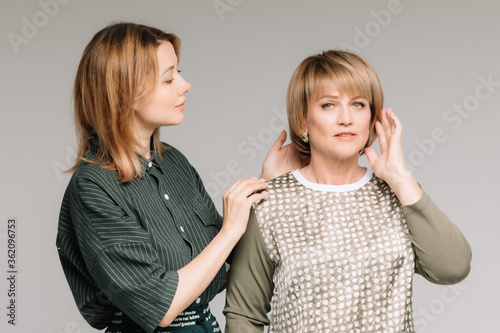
(167, 70)
(337, 97)
(329, 96)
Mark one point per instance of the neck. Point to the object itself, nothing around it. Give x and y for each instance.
(333, 172)
(144, 140)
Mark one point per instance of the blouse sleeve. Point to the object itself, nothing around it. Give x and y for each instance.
(250, 285)
(120, 257)
(443, 255)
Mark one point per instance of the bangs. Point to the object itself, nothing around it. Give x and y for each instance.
(322, 75)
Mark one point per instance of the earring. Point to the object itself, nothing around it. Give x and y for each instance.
(304, 137)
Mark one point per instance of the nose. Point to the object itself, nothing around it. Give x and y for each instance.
(184, 86)
(344, 116)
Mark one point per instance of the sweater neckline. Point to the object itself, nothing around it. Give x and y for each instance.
(333, 188)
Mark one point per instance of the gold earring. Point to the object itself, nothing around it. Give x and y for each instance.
(304, 137)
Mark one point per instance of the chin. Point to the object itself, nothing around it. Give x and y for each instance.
(174, 122)
(345, 152)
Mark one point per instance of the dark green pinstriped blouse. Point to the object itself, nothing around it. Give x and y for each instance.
(121, 244)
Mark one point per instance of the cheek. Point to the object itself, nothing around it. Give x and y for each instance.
(366, 130)
(162, 98)
(365, 119)
(367, 126)
(319, 122)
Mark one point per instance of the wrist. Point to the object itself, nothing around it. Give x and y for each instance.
(400, 177)
(231, 234)
(406, 189)
(264, 175)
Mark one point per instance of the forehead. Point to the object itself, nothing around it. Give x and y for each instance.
(166, 56)
(335, 87)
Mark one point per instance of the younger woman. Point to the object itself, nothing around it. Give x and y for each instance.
(140, 241)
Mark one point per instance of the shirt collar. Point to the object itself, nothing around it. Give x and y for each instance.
(153, 161)
(145, 163)
(93, 146)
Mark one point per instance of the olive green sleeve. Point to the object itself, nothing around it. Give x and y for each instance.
(443, 255)
(250, 284)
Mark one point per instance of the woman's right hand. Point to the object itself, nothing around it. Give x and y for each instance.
(237, 202)
(195, 277)
(281, 159)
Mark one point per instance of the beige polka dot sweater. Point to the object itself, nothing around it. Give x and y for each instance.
(329, 258)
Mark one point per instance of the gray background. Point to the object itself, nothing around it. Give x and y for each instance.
(433, 58)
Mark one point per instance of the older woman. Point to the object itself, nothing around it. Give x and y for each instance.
(334, 246)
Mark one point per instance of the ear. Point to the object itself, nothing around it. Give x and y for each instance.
(303, 128)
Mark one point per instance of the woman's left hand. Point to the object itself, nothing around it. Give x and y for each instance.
(390, 165)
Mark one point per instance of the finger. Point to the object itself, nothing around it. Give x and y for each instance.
(234, 185)
(395, 144)
(398, 127)
(253, 188)
(382, 139)
(245, 187)
(371, 155)
(280, 141)
(391, 120)
(257, 196)
(386, 123)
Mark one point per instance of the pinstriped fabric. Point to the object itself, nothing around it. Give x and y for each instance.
(121, 245)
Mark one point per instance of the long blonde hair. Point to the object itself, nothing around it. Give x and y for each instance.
(348, 71)
(118, 68)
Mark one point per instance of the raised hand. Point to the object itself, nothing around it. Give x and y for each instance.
(390, 165)
(237, 202)
(281, 159)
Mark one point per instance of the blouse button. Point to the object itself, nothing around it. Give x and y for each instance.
(198, 300)
(182, 229)
(150, 164)
(166, 196)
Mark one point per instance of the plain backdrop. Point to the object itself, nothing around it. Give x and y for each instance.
(438, 62)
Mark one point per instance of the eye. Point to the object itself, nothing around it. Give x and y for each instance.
(358, 105)
(327, 106)
(172, 79)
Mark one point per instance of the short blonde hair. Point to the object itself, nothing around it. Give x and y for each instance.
(348, 72)
(118, 68)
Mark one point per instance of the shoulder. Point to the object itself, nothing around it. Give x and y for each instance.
(284, 185)
(379, 185)
(282, 192)
(94, 173)
(172, 158)
(91, 181)
(284, 180)
(177, 165)
(173, 153)
(379, 195)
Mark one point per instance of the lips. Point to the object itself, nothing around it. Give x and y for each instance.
(345, 134)
(181, 106)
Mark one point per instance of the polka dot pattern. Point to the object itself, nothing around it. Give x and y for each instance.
(344, 261)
